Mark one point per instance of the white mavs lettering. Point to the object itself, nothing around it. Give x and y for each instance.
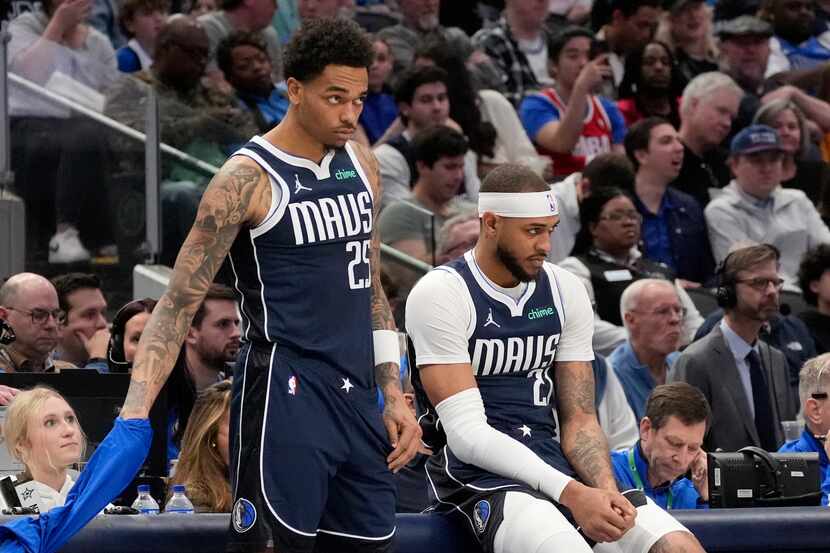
(510, 355)
(343, 216)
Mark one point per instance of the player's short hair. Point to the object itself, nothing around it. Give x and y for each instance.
(814, 263)
(512, 177)
(323, 42)
(72, 282)
(224, 52)
(215, 292)
(559, 39)
(638, 137)
(680, 400)
(415, 77)
(435, 142)
(128, 9)
(610, 170)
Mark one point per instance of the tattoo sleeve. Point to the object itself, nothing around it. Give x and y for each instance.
(386, 374)
(224, 208)
(583, 441)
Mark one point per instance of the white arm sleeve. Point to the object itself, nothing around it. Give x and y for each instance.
(475, 442)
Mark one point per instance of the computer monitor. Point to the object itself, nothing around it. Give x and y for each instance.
(97, 399)
(753, 477)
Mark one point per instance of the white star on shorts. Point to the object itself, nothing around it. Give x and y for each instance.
(525, 430)
(347, 385)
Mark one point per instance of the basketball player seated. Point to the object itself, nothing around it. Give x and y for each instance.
(500, 329)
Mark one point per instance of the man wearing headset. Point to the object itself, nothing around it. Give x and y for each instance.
(745, 380)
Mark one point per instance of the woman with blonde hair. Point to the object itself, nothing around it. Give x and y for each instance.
(42, 432)
(204, 459)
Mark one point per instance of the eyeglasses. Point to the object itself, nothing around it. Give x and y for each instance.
(666, 312)
(617, 216)
(761, 284)
(41, 316)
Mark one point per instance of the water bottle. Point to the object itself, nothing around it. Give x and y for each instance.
(179, 504)
(144, 503)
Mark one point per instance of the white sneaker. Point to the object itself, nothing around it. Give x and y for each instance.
(66, 247)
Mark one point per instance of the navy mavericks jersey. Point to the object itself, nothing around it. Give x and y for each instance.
(303, 273)
(512, 346)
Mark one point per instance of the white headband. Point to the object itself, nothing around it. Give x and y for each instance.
(518, 204)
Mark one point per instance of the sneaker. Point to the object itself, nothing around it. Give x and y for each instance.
(66, 247)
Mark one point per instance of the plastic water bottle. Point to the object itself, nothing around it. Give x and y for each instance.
(179, 504)
(144, 503)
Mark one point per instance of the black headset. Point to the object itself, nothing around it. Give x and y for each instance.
(726, 293)
(116, 359)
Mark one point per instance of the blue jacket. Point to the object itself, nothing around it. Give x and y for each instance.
(688, 236)
(683, 492)
(808, 444)
(635, 377)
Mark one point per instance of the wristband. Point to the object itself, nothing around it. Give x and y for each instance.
(387, 348)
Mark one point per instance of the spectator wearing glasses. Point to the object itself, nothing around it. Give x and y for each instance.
(813, 387)
(652, 313)
(754, 207)
(745, 380)
(29, 305)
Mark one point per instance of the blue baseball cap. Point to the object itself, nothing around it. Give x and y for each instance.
(755, 138)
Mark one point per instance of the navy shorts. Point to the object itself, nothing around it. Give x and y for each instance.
(308, 458)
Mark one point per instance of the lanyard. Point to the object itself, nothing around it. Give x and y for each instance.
(639, 482)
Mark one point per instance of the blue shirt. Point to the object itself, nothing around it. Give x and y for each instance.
(635, 377)
(535, 112)
(379, 111)
(807, 443)
(656, 232)
(682, 490)
(274, 107)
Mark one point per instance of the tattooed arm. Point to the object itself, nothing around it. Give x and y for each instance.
(404, 431)
(237, 196)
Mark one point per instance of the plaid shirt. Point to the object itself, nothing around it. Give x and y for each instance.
(517, 76)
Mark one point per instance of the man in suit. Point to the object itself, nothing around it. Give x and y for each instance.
(745, 380)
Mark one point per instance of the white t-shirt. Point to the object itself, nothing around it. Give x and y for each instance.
(45, 497)
(441, 316)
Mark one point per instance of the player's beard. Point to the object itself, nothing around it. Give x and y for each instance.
(512, 263)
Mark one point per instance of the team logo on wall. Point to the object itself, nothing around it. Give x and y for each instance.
(244, 515)
(481, 514)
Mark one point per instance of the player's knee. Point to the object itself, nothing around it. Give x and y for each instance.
(679, 541)
(535, 525)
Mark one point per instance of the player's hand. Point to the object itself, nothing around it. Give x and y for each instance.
(404, 431)
(97, 344)
(700, 474)
(7, 394)
(603, 515)
(593, 73)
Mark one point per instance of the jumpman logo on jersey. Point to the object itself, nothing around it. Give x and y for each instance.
(298, 185)
(490, 321)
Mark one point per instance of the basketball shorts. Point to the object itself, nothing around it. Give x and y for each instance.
(308, 458)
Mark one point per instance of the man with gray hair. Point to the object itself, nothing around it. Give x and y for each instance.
(653, 314)
(813, 388)
(708, 107)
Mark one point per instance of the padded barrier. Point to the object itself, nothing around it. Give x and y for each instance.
(796, 529)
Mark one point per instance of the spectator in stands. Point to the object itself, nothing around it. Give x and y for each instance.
(141, 21)
(242, 15)
(486, 118)
(745, 380)
(518, 46)
(814, 280)
(813, 387)
(457, 235)
(412, 225)
(674, 229)
(42, 432)
(555, 119)
(688, 32)
(798, 42)
(29, 304)
(423, 102)
(201, 7)
(811, 176)
(309, 9)
(379, 107)
(420, 20)
(605, 170)
(651, 86)
(671, 435)
(754, 207)
(60, 160)
(243, 59)
(84, 335)
(127, 327)
(652, 314)
(708, 107)
(632, 25)
(204, 458)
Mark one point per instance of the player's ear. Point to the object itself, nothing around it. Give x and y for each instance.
(489, 222)
(295, 90)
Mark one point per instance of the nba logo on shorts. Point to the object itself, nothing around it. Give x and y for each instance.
(292, 386)
(244, 515)
(481, 514)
